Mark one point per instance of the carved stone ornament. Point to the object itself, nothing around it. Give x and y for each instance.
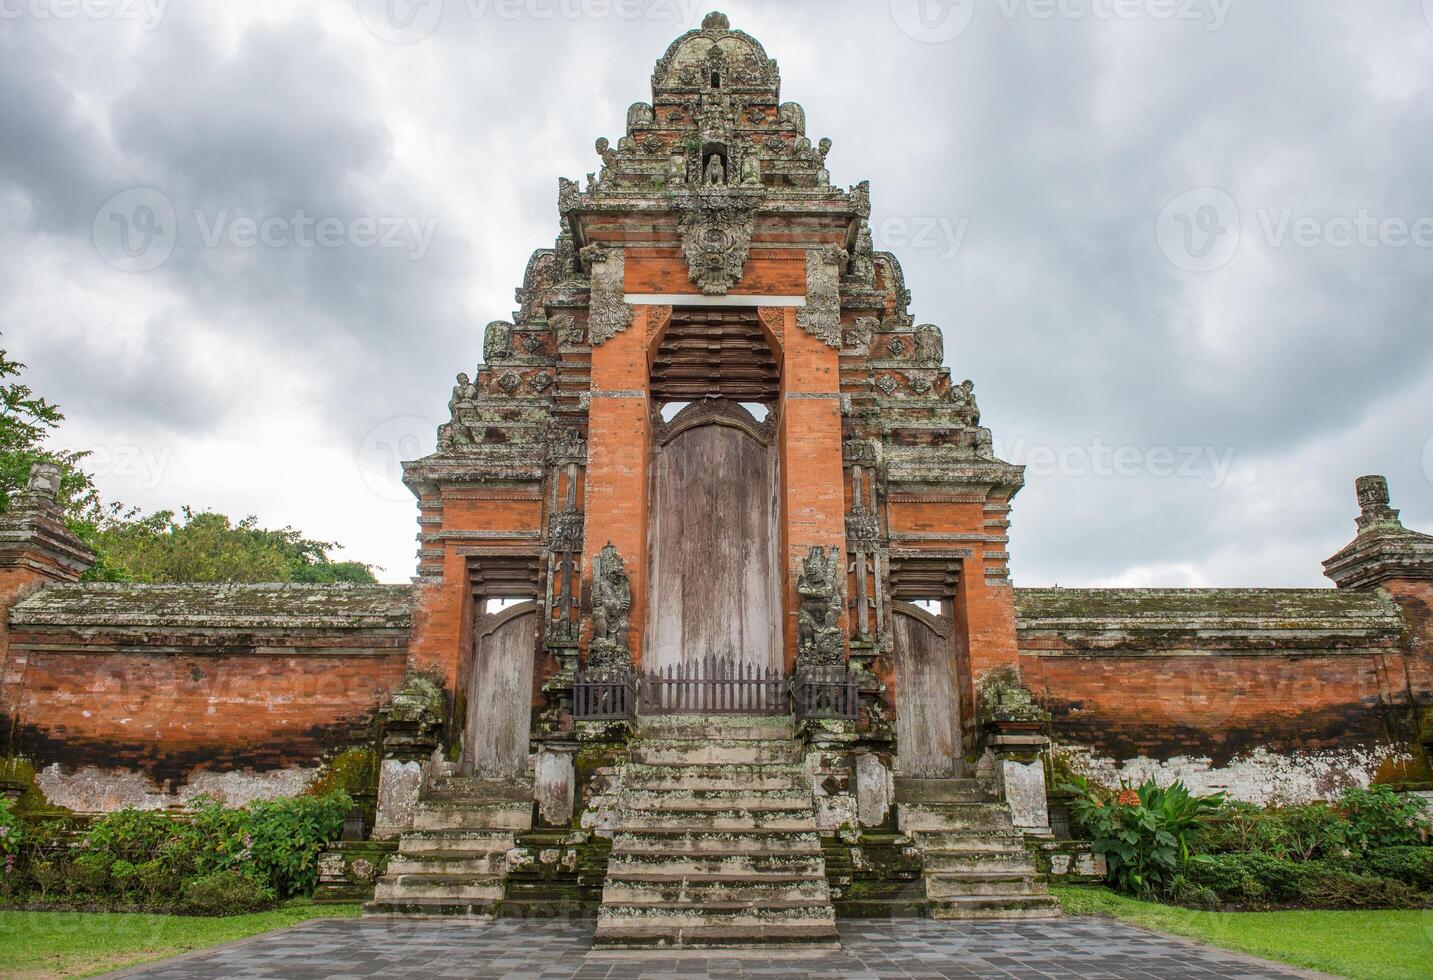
(716, 238)
(821, 316)
(510, 382)
(862, 526)
(608, 313)
(564, 530)
(569, 334)
(820, 642)
(930, 345)
(611, 612)
(566, 445)
(896, 345)
(497, 342)
(541, 382)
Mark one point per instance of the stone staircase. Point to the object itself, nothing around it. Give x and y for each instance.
(454, 860)
(976, 865)
(716, 842)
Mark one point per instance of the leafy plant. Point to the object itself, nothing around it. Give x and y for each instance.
(226, 893)
(1144, 833)
(1379, 817)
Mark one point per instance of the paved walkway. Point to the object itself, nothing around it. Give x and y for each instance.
(344, 948)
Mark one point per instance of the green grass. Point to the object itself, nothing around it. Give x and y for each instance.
(1367, 945)
(77, 944)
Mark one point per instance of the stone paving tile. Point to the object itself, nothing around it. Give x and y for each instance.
(905, 949)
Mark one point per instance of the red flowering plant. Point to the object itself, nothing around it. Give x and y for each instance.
(1143, 832)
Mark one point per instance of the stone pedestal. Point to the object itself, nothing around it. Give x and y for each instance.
(1018, 754)
(555, 783)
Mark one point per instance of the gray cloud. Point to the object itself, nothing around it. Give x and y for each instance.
(1056, 143)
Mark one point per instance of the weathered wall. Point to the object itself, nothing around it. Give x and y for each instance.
(129, 695)
(1273, 695)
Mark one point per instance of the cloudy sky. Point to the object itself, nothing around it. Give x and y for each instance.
(1183, 247)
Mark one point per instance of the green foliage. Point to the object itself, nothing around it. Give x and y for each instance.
(151, 858)
(26, 419)
(1379, 817)
(201, 546)
(1143, 833)
(1411, 865)
(226, 893)
(1260, 880)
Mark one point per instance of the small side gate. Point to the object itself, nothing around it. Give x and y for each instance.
(716, 686)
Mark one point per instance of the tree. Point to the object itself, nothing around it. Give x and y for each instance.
(25, 420)
(198, 546)
(202, 546)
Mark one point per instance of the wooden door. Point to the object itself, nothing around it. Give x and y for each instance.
(495, 744)
(714, 583)
(927, 710)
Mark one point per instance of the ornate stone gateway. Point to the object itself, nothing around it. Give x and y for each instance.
(714, 447)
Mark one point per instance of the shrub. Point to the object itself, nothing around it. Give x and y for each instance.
(1259, 879)
(88, 876)
(226, 893)
(1143, 833)
(12, 835)
(1239, 827)
(1411, 865)
(1379, 817)
(1315, 830)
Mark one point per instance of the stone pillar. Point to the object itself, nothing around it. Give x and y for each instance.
(37, 549)
(618, 450)
(412, 731)
(555, 783)
(813, 498)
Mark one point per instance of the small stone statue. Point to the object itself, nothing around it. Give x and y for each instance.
(751, 171)
(930, 345)
(465, 394)
(611, 611)
(715, 171)
(819, 639)
(605, 151)
(962, 396)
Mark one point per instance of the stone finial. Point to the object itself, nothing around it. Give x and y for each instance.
(45, 481)
(716, 21)
(1373, 500)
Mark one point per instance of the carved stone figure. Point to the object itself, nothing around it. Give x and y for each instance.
(569, 334)
(863, 259)
(605, 151)
(819, 639)
(962, 396)
(497, 341)
(611, 611)
(716, 239)
(751, 170)
(464, 396)
(821, 316)
(715, 173)
(639, 116)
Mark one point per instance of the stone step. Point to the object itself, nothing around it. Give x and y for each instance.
(766, 891)
(447, 863)
(957, 886)
(995, 907)
(911, 790)
(754, 727)
(707, 843)
(676, 864)
(476, 789)
(917, 817)
(970, 841)
(700, 818)
(706, 776)
(715, 799)
(433, 908)
(467, 843)
(461, 888)
(718, 751)
(431, 815)
(978, 862)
